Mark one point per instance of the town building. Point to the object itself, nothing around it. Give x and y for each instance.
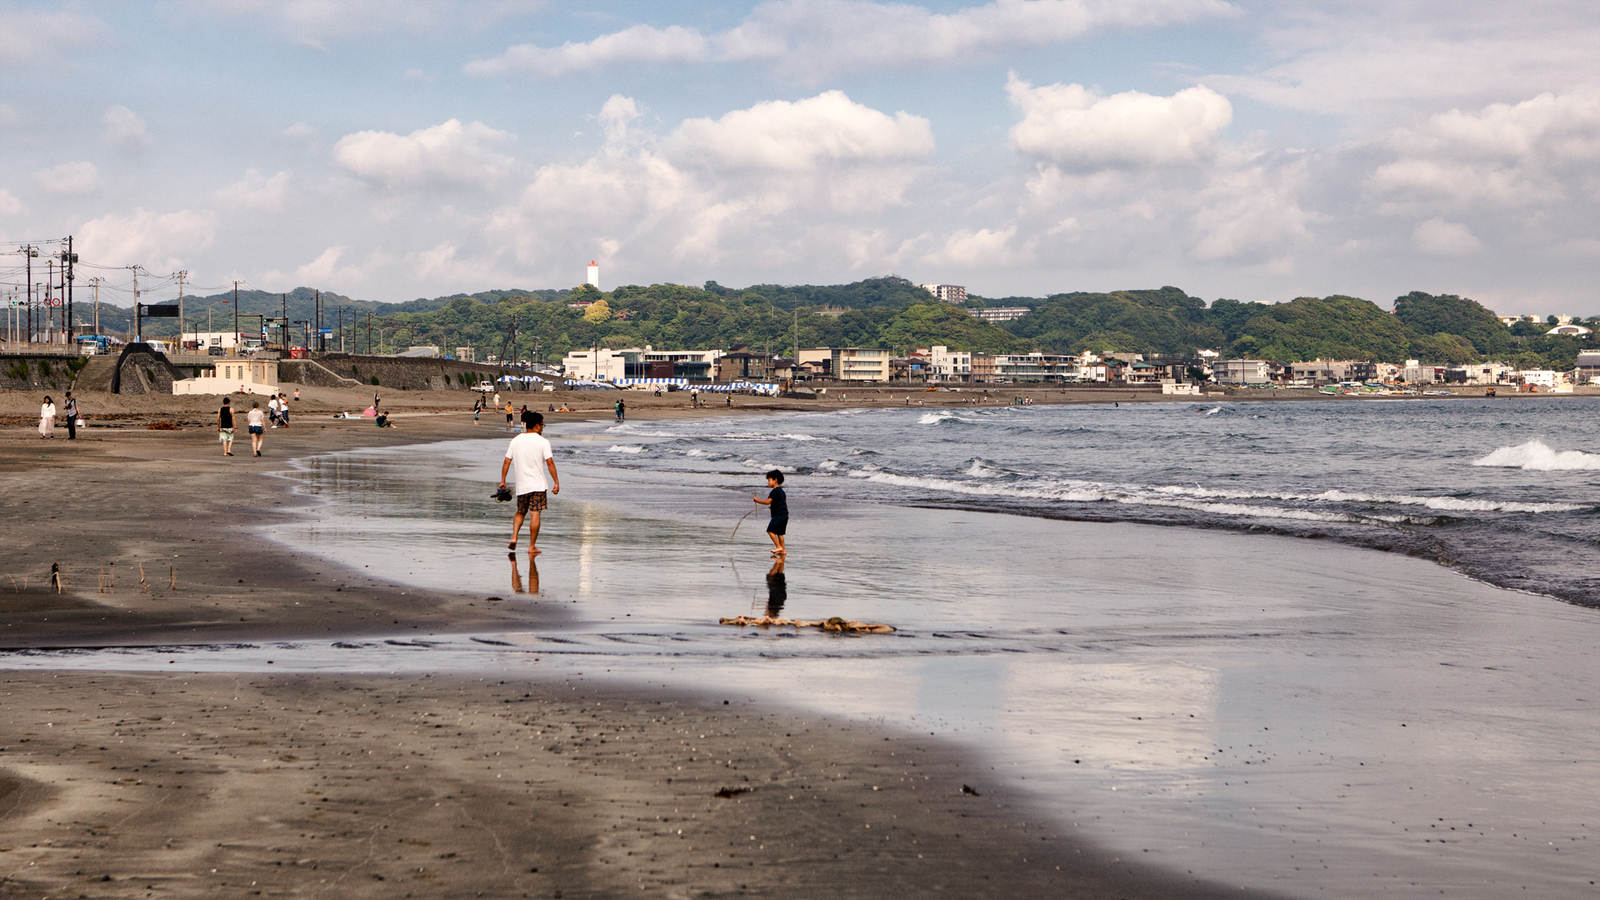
(233, 376)
(950, 366)
(743, 364)
(849, 363)
(1570, 330)
(1000, 313)
(1241, 371)
(1417, 373)
(949, 293)
(1588, 368)
(1478, 373)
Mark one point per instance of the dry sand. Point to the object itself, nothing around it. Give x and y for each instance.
(120, 785)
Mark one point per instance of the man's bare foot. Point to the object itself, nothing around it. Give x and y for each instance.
(512, 545)
(534, 551)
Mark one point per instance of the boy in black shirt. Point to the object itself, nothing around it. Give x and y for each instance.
(780, 511)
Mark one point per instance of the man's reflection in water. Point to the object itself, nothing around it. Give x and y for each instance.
(516, 576)
(777, 589)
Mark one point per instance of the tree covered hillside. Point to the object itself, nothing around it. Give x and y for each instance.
(893, 313)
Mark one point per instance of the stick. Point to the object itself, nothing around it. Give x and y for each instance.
(737, 524)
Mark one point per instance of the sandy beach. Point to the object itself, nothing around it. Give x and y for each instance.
(190, 785)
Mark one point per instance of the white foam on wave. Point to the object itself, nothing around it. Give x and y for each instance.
(982, 468)
(1451, 504)
(934, 418)
(1537, 456)
(625, 448)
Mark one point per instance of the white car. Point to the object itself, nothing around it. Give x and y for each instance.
(484, 387)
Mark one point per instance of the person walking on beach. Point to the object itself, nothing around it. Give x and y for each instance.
(72, 417)
(225, 426)
(47, 418)
(621, 410)
(509, 413)
(256, 423)
(780, 512)
(530, 453)
(477, 408)
(272, 410)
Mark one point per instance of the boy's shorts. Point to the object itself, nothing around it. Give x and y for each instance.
(225, 435)
(778, 526)
(533, 501)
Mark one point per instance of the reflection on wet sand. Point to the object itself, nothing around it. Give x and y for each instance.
(777, 589)
(516, 575)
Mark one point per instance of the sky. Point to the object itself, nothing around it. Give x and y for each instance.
(394, 149)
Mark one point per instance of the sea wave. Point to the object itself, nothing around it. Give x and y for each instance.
(1452, 504)
(1537, 456)
(934, 418)
(625, 448)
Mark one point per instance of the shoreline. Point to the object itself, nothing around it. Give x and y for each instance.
(275, 798)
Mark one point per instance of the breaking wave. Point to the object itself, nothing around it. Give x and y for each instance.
(1536, 456)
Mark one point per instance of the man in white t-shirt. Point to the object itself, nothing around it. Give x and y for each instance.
(531, 455)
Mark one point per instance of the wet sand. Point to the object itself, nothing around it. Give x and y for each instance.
(203, 785)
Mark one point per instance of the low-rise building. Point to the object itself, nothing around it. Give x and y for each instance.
(743, 364)
(233, 376)
(950, 366)
(1242, 371)
(849, 363)
(1588, 368)
(1417, 373)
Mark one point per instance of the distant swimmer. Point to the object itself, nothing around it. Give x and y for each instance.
(779, 502)
(530, 453)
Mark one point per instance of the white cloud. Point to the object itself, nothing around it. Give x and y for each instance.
(1382, 63)
(616, 115)
(639, 45)
(447, 154)
(302, 131)
(36, 38)
(69, 178)
(980, 249)
(1252, 213)
(1537, 152)
(1071, 127)
(256, 192)
(157, 241)
(769, 176)
(10, 205)
(820, 39)
(325, 269)
(1440, 238)
(782, 136)
(124, 129)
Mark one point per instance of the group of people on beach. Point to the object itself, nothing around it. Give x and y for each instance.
(47, 417)
(256, 421)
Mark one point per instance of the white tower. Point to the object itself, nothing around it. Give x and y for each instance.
(594, 274)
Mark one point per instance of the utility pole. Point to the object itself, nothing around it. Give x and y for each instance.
(69, 259)
(138, 321)
(96, 282)
(181, 276)
(49, 296)
(236, 318)
(317, 308)
(29, 252)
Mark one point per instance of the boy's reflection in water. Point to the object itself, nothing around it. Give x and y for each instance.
(516, 576)
(777, 589)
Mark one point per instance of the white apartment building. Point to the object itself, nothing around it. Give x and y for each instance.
(850, 363)
(950, 365)
(603, 364)
(1416, 373)
(949, 293)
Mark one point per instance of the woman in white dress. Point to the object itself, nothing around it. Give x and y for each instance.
(47, 419)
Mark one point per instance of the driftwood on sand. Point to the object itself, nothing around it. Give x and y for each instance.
(835, 624)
